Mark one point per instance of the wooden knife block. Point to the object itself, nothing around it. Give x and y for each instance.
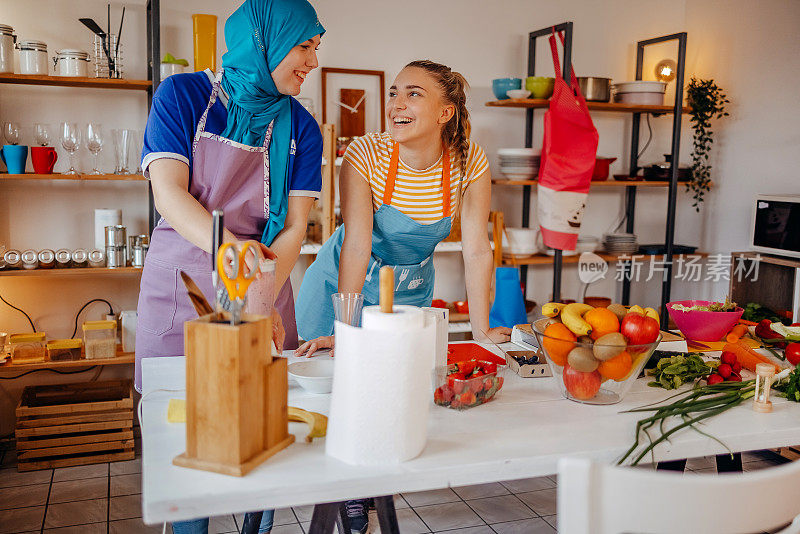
(236, 395)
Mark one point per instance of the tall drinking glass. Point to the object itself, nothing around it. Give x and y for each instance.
(41, 134)
(122, 147)
(347, 307)
(71, 141)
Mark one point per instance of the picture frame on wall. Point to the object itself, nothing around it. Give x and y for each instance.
(353, 100)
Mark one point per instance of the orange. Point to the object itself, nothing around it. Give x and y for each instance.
(617, 368)
(555, 349)
(603, 321)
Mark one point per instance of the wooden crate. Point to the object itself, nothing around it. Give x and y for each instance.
(74, 424)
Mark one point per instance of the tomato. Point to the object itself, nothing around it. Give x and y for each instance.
(462, 306)
(792, 353)
(438, 303)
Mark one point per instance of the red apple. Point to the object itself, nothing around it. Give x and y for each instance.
(639, 329)
(582, 386)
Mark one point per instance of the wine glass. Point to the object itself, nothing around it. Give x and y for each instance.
(71, 141)
(41, 133)
(94, 142)
(11, 131)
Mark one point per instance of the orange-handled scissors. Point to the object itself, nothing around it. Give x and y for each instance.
(235, 276)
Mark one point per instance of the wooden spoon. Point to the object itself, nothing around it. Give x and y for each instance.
(201, 305)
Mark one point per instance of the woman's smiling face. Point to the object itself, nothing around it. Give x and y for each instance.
(415, 109)
(292, 71)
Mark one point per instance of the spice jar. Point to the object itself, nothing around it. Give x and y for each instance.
(100, 339)
(32, 57)
(71, 62)
(63, 258)
(97, 258)
(7, 40)
(341, 145)
(47, 259)
(27, 348)
(80, 258)
(60, 350)
(30, 259)
(13, 259)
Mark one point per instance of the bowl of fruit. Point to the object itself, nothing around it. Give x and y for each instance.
(596, 354)
(465, 384)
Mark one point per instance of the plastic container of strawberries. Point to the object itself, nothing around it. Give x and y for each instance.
(466, 384)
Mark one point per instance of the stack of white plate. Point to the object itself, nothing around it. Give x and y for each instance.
(620, 244)
(640, 92)
(519, 163)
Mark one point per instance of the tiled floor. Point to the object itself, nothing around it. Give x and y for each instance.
(105, 499)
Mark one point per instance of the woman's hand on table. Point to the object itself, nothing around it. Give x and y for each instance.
(308, 348)
(278, 333)
(499, 334)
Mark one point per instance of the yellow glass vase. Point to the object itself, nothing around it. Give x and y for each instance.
(205, 42)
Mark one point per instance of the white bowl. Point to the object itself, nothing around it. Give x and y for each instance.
(314, 376)
(518, 93)
(520, 241)
(640, 86)
(519, 152)
(640, 99)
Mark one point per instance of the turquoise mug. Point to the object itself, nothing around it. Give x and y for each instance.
(15, 157)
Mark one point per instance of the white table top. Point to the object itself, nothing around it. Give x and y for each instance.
(521, 433)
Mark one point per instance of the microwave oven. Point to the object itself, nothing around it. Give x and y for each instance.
(776, 225)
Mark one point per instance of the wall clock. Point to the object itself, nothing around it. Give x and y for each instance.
(355, 99)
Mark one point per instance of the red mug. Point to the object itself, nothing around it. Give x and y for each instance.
(44, 159)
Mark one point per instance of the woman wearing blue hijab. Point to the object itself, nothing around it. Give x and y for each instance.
(235, 140)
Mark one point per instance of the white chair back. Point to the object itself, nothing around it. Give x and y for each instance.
(600, 499)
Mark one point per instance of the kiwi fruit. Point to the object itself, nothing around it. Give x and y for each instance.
(619, 310)
(582, 359)
(609, 345)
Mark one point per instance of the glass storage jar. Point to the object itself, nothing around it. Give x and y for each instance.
(30, 259)
(62, 350)
(27, 348)
(100, 339)
(7, 40)
(47, 259)
(71, 62)
(63, 258)
(80, 258)
(32, 57)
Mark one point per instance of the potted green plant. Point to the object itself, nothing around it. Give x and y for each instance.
(706, 102)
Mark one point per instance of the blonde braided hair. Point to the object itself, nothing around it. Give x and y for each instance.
(455, 133)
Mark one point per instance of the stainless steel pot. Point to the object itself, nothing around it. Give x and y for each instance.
(595, 89)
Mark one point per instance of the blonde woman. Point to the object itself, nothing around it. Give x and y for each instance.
(400, 191)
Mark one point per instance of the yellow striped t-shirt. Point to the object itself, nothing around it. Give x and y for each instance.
(417, 193)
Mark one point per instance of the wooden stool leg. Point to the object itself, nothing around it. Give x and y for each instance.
(674, 465)
(387, 516)
(729, 464)
(342, 521)
(252, 520)
(324, 518)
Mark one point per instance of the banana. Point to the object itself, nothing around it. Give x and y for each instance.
(317, 423)
(551, 309)
(636, 309)
(572, 317)
(651, 312)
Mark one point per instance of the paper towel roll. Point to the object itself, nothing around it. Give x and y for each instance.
(104, 217)
(381, 389)
(404, 317)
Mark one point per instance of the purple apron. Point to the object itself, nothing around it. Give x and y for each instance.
(227, 175)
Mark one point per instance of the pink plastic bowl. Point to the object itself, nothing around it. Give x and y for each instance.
(703, 325)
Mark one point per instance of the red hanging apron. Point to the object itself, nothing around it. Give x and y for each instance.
(568, 156)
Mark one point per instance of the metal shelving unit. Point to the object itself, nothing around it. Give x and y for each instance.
(630, 187)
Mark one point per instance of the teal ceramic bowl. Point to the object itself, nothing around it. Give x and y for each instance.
(540, 86)
(501, 85)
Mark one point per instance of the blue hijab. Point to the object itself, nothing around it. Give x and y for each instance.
(259, 35)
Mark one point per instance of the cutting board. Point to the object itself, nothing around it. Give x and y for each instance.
(717, 345)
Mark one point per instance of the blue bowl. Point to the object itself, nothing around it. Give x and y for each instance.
(501, 85)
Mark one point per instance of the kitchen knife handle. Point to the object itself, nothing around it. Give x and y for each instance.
(216, 241)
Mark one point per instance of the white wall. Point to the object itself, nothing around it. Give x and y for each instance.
(749, 48)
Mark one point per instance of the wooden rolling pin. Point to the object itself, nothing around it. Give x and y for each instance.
(386, 284)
